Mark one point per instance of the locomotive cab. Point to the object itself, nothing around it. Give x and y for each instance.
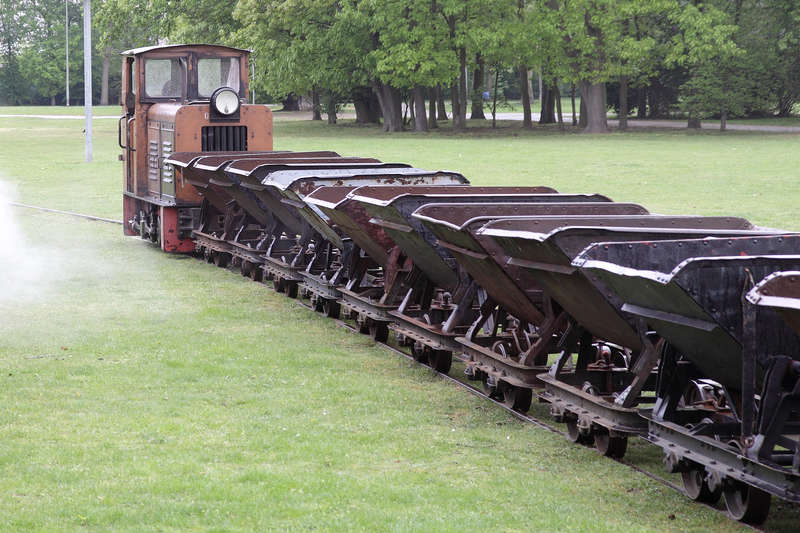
(180, 98)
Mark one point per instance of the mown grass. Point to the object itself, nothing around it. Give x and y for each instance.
(143, 391)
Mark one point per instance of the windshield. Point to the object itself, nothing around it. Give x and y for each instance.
(164, 78)
(216, 72)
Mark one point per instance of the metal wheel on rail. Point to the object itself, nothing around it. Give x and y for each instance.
(610, 445)
(279, 284)
(379, 331)
(291, 289)
(256, 273)
(440, 360)
(419, 352)
(696, 485)
(746, 503)
(490, 387)
(221, 259)
(516, 398)
(208, 254)
(331, 308)
(574, 433)
(245, 267)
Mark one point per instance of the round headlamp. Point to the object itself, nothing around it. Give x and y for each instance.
(225, 101)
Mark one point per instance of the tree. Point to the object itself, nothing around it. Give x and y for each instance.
(705, 47)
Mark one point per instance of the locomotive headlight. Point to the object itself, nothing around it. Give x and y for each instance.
(225, 101)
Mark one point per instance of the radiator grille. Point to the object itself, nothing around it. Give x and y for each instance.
(224, 138)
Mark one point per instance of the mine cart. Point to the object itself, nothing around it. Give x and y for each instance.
(436, 299)
(244, 219)
(318, 260)
(232, 219)
(515, 313)
(596, 394)
(726, 401)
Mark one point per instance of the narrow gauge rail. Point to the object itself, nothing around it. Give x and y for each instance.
(627, 323)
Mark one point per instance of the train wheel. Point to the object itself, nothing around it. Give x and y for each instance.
(331, 308)
(363, 324)
(610, 446)
(256, 274)
(208, 255)
(490, 390)
(574, 433)
(696, 486)
(279, 284)
(419, 353)
(745, 503)
(245, 267)
(517, 398)
(221, 259)
(440, 360)
(379, 331)
(291, 289)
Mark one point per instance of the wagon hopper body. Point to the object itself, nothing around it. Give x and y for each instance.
(732, 432)
(596, 394)
(509, 354)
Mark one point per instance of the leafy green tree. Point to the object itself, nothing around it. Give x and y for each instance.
(705, 46)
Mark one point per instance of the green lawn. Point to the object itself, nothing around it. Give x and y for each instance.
(150, 392)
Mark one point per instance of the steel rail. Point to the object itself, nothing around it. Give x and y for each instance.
(70, 213)
(535, 421)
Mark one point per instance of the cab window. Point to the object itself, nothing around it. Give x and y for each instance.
(164, 78)
(216, 72)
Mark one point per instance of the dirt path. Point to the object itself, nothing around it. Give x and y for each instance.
(636, 123)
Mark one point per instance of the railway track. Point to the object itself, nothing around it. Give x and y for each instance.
(528, 419)
(68, 213)
(523, 417)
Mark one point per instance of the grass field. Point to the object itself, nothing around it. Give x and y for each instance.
(147, 392)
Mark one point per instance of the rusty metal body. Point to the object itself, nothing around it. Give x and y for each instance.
(158, 121)
(512, 352)
(615, 361)
(743, 431)
(436, 299)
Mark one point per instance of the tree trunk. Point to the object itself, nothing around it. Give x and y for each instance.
(104, 78)
(368, 108)
(316, 113)
(494, 97)
(53, 100)
(541, 86)
(623, 103)
(460, 96)
(557, 98)
(531, 96)
(455, 107)
(572, 99)
(548, 113)
(526, 97)
(723, 120)
(641, 103)
(330, 107)
(441, 110)
(391, 105)
(290, 103)
(693, 122)
(477, 93)
(432, 109)
(420, 121)
(594, 96)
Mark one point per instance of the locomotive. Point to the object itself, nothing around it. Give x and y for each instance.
(681, 330)
(180, 99)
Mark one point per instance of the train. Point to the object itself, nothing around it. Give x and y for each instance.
(681, 330)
